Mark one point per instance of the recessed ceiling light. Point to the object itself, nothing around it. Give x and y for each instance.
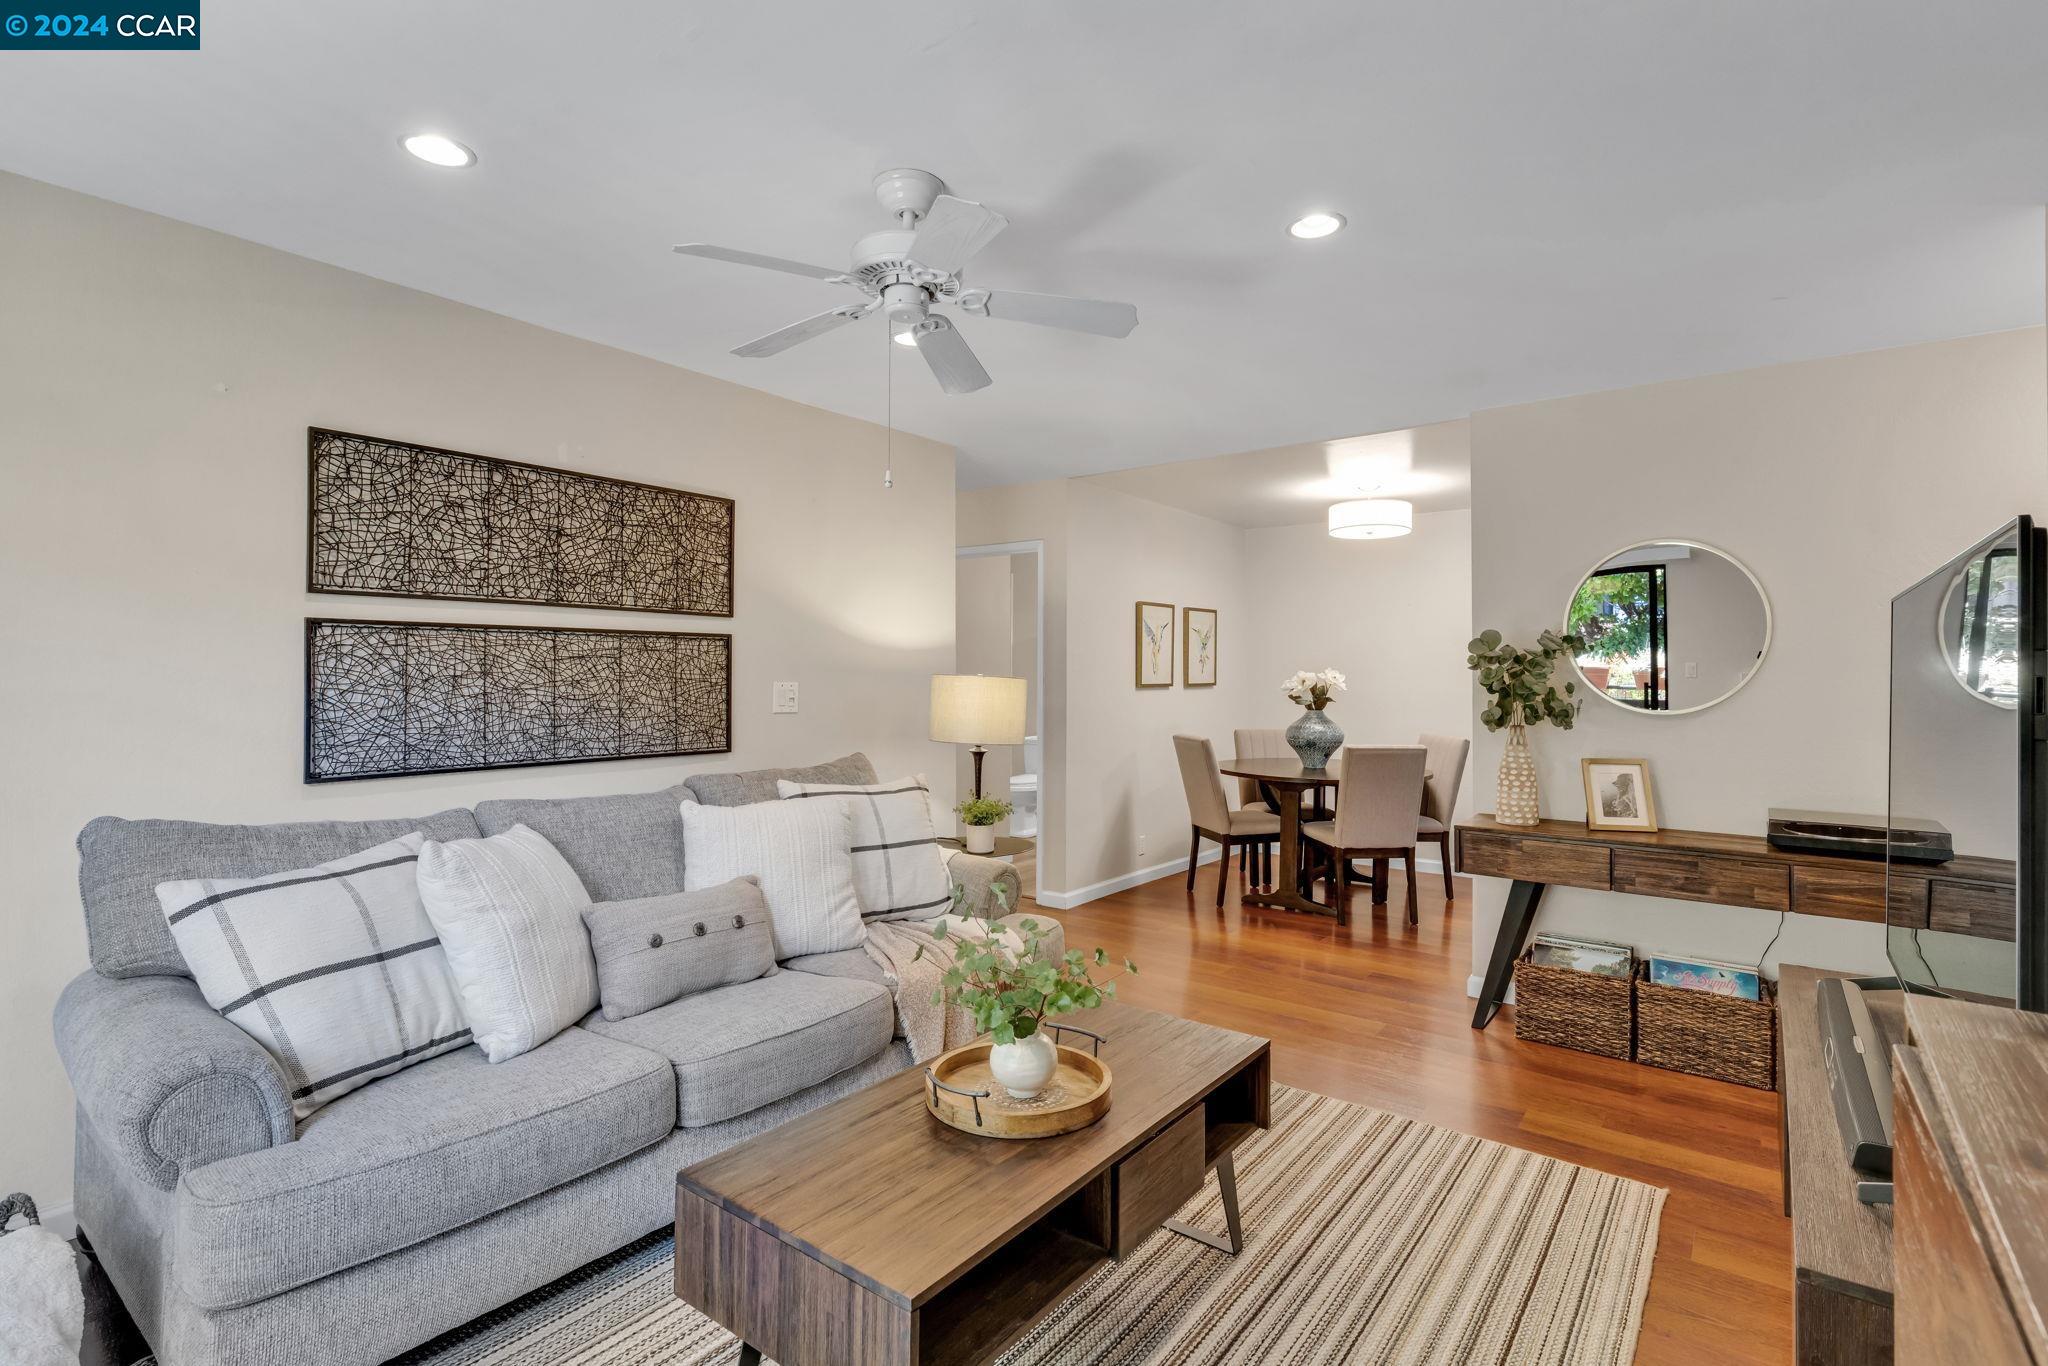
(1371, 519)
(1312, 225)
(438, 151)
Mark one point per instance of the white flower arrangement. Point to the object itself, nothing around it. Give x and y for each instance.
(1313, 690)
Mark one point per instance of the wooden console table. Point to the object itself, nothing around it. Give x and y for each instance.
(1956, 1274)
(1966, 895)
(1841, 1248)
(1970, 1251)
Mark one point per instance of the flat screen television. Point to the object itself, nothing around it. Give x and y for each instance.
(1966, 821)
(1968, 728)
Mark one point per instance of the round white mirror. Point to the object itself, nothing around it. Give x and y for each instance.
(1978, 630)
(1669, 627)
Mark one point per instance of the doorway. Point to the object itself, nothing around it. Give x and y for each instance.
(999, 629)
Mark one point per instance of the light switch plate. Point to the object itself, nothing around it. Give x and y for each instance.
(785, 698)
(1692, 668)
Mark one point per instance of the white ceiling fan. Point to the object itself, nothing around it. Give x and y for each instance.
(907, 269)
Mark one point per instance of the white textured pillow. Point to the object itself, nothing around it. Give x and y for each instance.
(800, 852)
(335, 969)
(898, 871)
(510, 913)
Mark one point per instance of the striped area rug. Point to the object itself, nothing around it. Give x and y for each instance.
(1368, 1239)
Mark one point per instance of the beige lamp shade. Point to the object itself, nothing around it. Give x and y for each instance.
(976, 709)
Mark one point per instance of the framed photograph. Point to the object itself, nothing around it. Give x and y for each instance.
(1618, 794)
(1198, 647)
(1155, 645)
(1705, 974)
(1596, 956)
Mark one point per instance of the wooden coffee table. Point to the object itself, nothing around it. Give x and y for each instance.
(867, 1231)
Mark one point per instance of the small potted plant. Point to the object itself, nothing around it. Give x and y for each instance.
(1520, 694)
(978, 817)
(1315, 737)
(1006, 980)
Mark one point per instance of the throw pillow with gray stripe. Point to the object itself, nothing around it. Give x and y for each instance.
(899, 872)
(335, 969)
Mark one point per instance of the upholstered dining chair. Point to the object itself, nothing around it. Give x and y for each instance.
(1210, 816)
(1266, 744)
(1379, 792)
(1263, 743)
(1440, 797)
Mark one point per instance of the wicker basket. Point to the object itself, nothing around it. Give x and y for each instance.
(1723, 1037)
(1581, 1010)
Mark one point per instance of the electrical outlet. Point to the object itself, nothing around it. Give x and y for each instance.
(1141, 846)
(785, 698)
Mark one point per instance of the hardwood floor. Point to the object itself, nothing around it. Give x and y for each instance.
(1376, 1012)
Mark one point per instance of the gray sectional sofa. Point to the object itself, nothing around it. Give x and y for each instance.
(429, 1197)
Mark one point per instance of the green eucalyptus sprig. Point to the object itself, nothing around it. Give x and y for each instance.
(1519, 681)
(1011, 993)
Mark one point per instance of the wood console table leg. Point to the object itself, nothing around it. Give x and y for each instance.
(1515, 920)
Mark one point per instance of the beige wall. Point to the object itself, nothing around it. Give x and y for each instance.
(1839, 482)
(1392, 616)
(1123, 781)
(1109, 775)
(1024, 639)
(1036, 512)
(156, 382)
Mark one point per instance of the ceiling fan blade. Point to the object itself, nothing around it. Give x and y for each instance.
(1099, 316)
(950, 357)
(953, 231)
(779, 341)
(751, 258)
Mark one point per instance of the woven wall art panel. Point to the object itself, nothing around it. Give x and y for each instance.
(392, 697)
(393, 519)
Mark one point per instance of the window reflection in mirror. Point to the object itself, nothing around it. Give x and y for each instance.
(1979, 627)
(1668, 626)
(1622, 616)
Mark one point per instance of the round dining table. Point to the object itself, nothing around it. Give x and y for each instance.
(1281, 782)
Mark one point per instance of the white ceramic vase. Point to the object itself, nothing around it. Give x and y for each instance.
(1515, 801)
(1024, 1067)
(979, 839)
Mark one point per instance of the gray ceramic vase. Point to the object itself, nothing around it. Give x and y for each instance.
(1314, 738)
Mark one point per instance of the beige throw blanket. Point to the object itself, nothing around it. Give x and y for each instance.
(931, 1028)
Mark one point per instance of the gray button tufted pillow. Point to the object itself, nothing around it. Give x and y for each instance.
(659, 948)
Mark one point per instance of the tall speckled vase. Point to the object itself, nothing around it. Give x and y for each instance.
(1314, 738)
(1515, 801)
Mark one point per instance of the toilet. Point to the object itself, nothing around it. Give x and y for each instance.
(1024, 793)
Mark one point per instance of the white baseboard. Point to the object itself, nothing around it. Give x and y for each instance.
(1095, 891)
(1474, 982)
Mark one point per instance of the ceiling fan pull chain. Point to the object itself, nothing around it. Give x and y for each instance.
(888, 410)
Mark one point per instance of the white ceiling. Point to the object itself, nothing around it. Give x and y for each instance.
(1289, 485)
(1544, 199)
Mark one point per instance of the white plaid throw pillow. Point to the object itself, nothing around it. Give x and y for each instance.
(899, 871)
(335, 969)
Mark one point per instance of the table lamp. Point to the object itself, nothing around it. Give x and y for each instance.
(977, 710)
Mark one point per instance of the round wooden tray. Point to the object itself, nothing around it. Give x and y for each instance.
(1075, 1098)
